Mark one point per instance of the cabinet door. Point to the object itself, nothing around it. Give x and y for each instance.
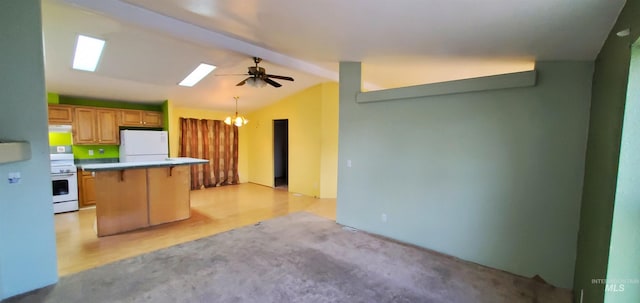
(152, 119)
(87, 189)
(130, 117)
(107, 122)
(84, 126)
(169, 191)
(60, 114)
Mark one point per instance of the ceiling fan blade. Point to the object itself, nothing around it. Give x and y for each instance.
(280, 77)
(245, 74)
(243, 82)
(273, 83)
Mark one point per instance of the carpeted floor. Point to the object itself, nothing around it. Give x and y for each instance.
(296, 258)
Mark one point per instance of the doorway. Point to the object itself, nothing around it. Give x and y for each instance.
(281, 153)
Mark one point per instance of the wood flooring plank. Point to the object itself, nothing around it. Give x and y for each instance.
(213, 211)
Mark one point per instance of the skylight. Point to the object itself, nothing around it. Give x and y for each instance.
(88, 51)
(197, 74)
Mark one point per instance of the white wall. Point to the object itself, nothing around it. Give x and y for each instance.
(27, 237)
(493, 177)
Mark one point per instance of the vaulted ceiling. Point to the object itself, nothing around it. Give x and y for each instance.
(153, 44)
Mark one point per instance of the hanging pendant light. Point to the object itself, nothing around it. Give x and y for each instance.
(236, 119)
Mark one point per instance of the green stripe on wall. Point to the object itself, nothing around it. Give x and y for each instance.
(53, 98)
(110, 103)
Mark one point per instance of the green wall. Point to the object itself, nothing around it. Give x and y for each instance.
(109, 151)
(624, 251)
(492, 177)
(27, 236)
(603, 148)
(109, 103)
(53, 98)
(57, 138)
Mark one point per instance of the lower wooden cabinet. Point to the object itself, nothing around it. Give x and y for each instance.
(86, 189)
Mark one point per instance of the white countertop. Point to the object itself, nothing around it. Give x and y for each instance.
(145, 164)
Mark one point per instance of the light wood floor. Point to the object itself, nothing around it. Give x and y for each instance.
(213, 211)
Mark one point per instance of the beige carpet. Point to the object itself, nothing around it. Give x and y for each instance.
(296, 258)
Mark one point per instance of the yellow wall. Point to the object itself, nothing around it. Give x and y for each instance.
(313, 141)
(175, 113)
(329, 141)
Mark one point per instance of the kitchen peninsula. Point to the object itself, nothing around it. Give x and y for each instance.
(134, 195)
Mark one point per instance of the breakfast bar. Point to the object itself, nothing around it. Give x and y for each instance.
(135, 195)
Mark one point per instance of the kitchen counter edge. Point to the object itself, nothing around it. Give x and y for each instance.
(145, 164)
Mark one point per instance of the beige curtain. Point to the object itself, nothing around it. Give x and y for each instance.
(215, 141)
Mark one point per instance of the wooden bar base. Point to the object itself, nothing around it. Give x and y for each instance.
(131, 199)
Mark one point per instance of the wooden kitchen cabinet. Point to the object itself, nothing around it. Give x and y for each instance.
(107, 126)
(152, 119)
(60, 114)
(140, 118)
(86, 188)
(95, 126)
(84, 126)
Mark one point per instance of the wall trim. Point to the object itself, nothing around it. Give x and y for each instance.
(504, 81)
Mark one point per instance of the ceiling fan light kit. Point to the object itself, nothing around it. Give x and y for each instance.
(236, 119)
(256, 82)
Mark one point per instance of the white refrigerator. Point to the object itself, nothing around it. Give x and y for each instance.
(143, 145)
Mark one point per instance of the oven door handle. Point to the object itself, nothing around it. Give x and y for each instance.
(63, 175)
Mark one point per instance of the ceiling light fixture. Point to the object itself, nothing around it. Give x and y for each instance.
(256, 82)
(87, 54)
(197, 74)
(236, 120)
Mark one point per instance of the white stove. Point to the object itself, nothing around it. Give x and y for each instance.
(64, 182)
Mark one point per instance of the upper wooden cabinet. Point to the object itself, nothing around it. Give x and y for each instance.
(107, 126)
(95, 126)
(141, 118)
(84, 126)
(60, 114)
(100, 125)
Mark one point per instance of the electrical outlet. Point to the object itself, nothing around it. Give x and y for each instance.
(91, 152)
(348, 163)
(383, 217)
(14, 177)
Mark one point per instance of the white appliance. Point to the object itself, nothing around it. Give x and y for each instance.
(143, 145)
(64, 182)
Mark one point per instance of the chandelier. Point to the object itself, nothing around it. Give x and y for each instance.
(236, 119)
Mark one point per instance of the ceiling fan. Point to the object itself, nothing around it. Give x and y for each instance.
(259, 78)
